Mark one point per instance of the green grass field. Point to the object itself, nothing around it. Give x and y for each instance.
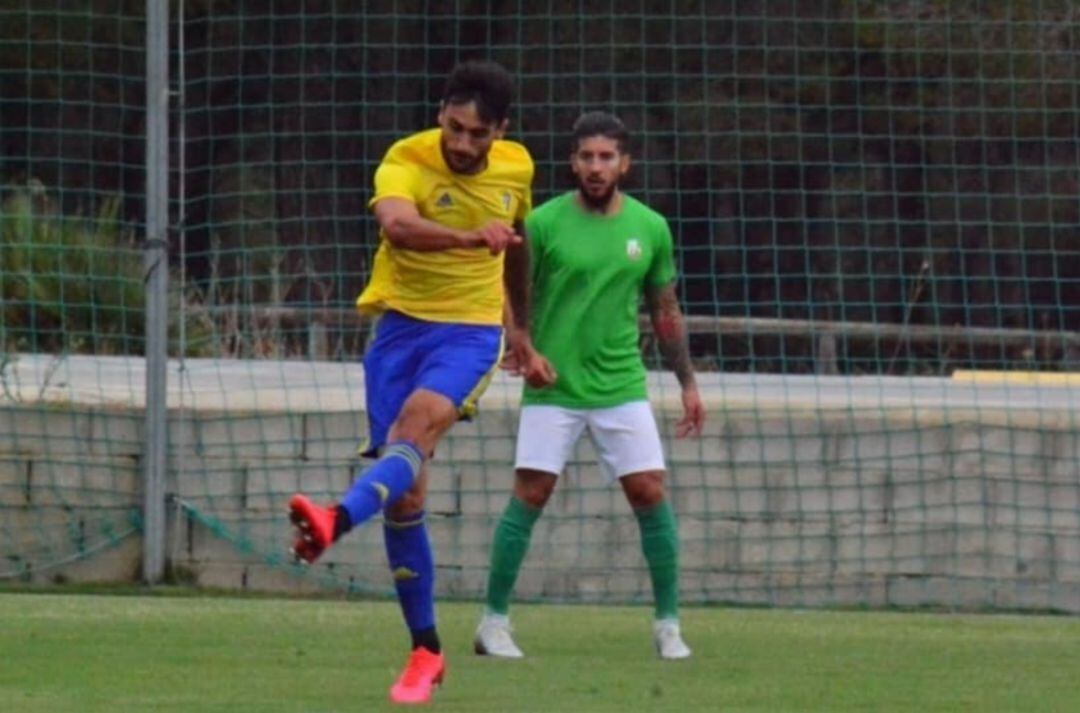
(87, 652)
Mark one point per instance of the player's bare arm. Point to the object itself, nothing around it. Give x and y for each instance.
(525, 360)
(670, 330)
(510, 361)
(516, 281)
(674, 344)
(405, 228)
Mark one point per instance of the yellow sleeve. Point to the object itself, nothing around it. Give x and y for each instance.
(397, 179)
(525, 204)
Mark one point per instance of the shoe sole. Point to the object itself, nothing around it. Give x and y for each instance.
(307, 539)
(436, 684)
(661, 656)
(480, 650)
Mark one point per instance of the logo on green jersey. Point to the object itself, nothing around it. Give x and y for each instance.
(633, 249)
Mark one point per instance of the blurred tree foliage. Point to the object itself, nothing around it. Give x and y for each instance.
(65, 282)
(75, 283)
(903, 161)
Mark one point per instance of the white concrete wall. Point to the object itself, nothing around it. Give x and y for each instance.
(811, 492)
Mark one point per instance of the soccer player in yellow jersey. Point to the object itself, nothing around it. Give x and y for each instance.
(447, 201)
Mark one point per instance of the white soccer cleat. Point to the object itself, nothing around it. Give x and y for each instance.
(668, 640)
(493, 638)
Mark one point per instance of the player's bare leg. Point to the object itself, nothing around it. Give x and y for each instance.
(423, 420)
(413, 570)
(532, 489)
(424, 417)
(660, 544)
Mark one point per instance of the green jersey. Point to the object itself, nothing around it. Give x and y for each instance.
(589, 272)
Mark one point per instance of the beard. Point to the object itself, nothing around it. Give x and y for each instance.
(597, 201)
(462, 163)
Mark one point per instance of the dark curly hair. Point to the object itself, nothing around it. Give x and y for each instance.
(600, 123)
(486, 83)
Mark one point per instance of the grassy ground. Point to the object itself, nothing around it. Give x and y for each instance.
(91, 653)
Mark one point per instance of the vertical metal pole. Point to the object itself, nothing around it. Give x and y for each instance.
(156, 277)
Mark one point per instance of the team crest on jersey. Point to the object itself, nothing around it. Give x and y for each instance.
(506, 200)
(633, 249)
(444, 201)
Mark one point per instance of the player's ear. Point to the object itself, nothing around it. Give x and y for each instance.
(500, 129)
(624, 163)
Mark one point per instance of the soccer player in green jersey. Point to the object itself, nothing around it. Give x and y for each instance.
(594, 253)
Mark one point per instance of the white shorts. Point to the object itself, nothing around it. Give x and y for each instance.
(626, 438)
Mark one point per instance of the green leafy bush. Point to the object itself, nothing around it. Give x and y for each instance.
(73, 283)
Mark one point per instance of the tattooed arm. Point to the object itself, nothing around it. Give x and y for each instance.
(671, 337)
(670, 330)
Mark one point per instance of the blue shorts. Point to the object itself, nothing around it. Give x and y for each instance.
(455, 360)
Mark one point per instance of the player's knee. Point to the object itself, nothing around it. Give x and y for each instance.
(422, 421)
(534, 498)
(407, 507)
(412, 425)
(533, 488)
(644, 490)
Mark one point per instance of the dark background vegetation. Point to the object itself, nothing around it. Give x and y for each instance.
(894, 162)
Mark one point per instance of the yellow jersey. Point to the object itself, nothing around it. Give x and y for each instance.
(462, 284)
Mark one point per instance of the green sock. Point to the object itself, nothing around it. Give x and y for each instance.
(660, 543)
(508, 551)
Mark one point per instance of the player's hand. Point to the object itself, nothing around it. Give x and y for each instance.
(495, 236)
(510, 363)
(693, 419)
(537, 370)
(522, 359)
(515, 340)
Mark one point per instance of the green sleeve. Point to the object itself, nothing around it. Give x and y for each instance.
(662, 269)
(534, 236)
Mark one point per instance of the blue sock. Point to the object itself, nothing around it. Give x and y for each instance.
(383, 483)
(413, 566)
